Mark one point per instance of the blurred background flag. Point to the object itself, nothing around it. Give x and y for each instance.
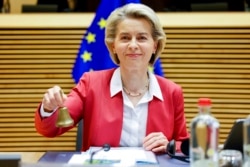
(93, 54)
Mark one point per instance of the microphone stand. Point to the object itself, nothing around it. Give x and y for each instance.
(105, 147)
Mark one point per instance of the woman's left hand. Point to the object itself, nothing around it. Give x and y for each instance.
(156, 142)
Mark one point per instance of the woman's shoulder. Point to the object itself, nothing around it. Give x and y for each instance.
(165, 82)
(100, 73)
(96, 76)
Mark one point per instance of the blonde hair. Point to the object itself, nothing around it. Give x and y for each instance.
(134, 10)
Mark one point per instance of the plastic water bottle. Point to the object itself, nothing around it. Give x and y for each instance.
(246, 142)
(204, 137)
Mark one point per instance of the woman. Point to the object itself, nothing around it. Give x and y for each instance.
(128, 105)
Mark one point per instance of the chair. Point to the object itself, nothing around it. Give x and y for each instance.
(79, 136)
(62, 5)
(217, 5)
(206, 5)
(39, 8)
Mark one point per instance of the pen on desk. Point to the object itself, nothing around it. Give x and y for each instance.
(142, 162)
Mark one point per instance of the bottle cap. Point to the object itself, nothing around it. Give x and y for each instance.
(204, 102)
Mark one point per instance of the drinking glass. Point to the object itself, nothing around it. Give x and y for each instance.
(230, 158)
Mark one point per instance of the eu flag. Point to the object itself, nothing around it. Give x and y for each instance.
(93, 54)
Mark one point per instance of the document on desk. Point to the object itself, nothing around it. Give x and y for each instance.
(117, 156)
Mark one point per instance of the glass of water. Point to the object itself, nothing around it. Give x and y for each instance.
(230, 158)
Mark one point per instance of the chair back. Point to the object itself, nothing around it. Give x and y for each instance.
(79, 136)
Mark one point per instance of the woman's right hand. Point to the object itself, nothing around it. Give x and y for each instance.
(53, 98)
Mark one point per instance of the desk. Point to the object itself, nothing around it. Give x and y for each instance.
(64, 157)
(27, 157)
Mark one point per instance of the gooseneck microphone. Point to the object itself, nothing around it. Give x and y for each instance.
(184, 149)
(105, 147)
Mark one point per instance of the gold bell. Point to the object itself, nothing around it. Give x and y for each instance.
(64, 119)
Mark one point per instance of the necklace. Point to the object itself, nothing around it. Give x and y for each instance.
(136, 94)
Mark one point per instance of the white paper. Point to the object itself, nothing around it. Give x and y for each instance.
(125, 156)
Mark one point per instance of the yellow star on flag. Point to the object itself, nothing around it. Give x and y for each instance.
(86, 56)
(102, 23)
(90, 37)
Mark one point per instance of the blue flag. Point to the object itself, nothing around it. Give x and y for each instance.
(93, 54)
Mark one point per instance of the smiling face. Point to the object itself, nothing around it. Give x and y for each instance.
(134, 44)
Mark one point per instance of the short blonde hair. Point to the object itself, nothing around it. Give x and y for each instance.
(134, 10)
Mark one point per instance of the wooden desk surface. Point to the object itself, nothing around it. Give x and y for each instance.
(27, 157)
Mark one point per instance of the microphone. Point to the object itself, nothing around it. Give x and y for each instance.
(185, 147)
(105, 147)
